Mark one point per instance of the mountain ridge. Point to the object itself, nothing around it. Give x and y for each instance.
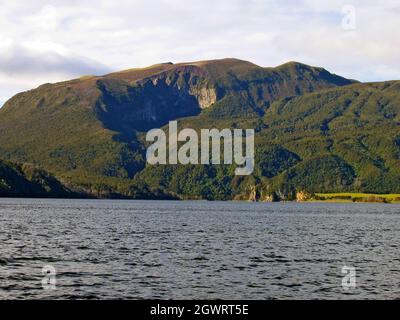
(155, 69)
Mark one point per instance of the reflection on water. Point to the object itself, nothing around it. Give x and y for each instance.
(198, 250)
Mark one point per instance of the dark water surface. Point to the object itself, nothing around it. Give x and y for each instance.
(198, 250)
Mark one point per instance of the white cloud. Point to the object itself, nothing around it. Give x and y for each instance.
(27, 65)
(52, 40)
(35, 59)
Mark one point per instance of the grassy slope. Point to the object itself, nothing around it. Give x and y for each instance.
(357, 197)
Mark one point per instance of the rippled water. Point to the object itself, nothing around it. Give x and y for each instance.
(198, 250)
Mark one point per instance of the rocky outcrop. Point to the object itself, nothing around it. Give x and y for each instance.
(154, 101)
(206, 97)
(268, 198)
(272, 197)
(192, 80)
(302, 196)
(253, 197)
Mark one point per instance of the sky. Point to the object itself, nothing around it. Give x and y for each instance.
(49, 41)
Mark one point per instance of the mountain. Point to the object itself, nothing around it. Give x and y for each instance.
(357, 127)
(314, 130)
(27, 181)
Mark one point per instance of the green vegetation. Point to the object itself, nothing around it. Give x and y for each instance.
(358, 197)
(29, 181)
(315, 131)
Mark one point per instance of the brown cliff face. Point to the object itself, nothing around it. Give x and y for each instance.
(190, 79)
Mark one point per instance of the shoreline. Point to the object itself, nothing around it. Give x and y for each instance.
(316, 198)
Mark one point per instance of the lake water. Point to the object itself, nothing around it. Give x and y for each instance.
(198, 250)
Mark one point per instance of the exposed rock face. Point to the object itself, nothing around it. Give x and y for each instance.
(302, 196)
(206, 97)
(153, 101)
(253, 197)
(268, 198)
(145, 106)
(273, 197)
(189, 80)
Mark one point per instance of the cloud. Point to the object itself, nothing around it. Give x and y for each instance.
(35, 60)
(54, 40)
(24, 66)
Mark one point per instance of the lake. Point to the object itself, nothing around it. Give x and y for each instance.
(106, 249)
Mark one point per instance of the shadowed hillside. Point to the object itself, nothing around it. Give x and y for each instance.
(27, 181)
